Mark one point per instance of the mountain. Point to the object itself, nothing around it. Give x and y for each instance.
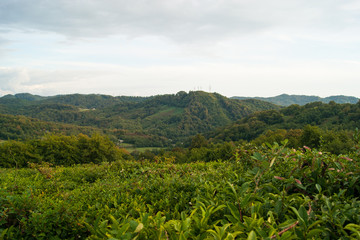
(21, 127)
(331, 116)
(184, 114)
(79, 100)
(287, 100)
(171, 116)
(24, 96)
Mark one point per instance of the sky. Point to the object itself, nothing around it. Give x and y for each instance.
(142, 47)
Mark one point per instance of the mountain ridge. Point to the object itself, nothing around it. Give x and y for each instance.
(171, 116)
(287, 100)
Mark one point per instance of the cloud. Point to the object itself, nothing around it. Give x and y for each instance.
(12, 79)
(3, 43)
(179, 20)
(143, 47)
(312, 78)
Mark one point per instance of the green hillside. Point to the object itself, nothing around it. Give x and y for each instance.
(330, 116)
(55, 186)
(171, 116)
(287, 100)
(24, 128)
(21, 127)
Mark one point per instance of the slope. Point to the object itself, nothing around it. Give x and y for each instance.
(327, 116)
(171, 116)
(287, 100)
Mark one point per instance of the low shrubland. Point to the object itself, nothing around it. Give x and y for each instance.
(268, 192)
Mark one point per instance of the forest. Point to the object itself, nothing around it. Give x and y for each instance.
(219, 168)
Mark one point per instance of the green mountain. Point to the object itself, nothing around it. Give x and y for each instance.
(287, 100)
(330, 116)
(172, 116)
(24, 96)
(79, 100)
(21, 127)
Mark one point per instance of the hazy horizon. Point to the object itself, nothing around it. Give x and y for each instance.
(176, 92)
(145, 48)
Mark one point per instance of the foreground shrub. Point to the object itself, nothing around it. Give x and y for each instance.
(270, 192)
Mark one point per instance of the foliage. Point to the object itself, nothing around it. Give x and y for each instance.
(23, 128)
(269, 192)
(330, 126)
(59, 150)
(287, 100)
(155, 121)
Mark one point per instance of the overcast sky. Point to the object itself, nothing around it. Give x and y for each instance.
(139, 47)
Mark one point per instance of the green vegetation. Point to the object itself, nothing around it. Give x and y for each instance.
(332, 125)
(69, 171)
(59, 150)
(287, 100)
(22, 128)
(156, 121)
(260, 193)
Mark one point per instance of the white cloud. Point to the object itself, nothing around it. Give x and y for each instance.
(180, 20)
(240, 47)
(315, 78)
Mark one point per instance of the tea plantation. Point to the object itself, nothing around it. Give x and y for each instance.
(268, 192)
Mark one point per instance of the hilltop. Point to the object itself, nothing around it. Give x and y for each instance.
(287, 100)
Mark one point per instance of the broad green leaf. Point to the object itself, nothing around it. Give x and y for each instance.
(318, 187)
(298, 215)
(139, 228)
(314, 232)
(251, 236)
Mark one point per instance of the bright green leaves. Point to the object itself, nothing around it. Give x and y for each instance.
(279, 194)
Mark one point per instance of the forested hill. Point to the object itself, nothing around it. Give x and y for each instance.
(184, 114)
(330, 116)
(171, 116)
(79, 100)
(25, 128)
(287, 100)
(22, 128)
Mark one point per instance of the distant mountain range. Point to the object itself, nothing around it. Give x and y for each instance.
(287, 100)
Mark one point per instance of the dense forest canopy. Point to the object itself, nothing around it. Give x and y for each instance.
(287, 100)
(226, 169)
(172, 116)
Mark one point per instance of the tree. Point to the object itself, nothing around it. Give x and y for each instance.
(198, 141)
(311, 136)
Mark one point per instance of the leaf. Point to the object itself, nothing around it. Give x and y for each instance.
(234, 212)
(251, 236)
(298, 215)
(272, 161)
(354, 228)
(318, 187)
(314, 232)
(269, 145)
(315, 223)
(303, 214)
(139, 228)
(232, 188)
(298, 181)
(257, 156)
(285, 142)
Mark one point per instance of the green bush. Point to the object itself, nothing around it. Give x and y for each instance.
(59, 150)
(267, 192)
